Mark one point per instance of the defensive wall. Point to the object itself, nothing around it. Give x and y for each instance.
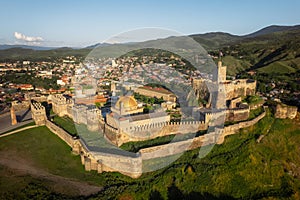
(151, 131)
(217, 136)
(131, 164)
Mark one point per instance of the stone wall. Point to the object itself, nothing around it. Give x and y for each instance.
(229, 130)
(131, 164)
(240, 87)
(235, 115)
(38, 113)
(62, 134)
(151, 131)
(284, 111)
(215, 137)
(60, 104)
(100, 161)
(20, 105)
(174, 148)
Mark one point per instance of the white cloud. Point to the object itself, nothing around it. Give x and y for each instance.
(23, 37)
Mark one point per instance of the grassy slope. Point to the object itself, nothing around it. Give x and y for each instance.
(67, 124)
(240, 168)
(43, 150)
(275, 52)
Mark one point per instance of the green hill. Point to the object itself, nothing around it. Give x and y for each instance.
(240, 168)
(275, 52)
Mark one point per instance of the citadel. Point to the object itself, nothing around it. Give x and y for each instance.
(126, 121)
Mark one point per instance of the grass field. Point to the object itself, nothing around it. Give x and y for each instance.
(66, 123)
(239, 168)
(37, 153)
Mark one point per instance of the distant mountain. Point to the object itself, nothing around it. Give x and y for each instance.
(271, 49)
(214, 40)
(98, 45)
(272, 29)
(40, 48)
(18, 53)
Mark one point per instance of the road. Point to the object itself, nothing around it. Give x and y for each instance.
(23, 117)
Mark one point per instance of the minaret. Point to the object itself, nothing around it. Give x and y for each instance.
(13, 116)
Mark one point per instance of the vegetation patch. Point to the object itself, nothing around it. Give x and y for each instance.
(66, 123)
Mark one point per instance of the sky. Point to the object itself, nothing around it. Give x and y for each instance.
(79, 23)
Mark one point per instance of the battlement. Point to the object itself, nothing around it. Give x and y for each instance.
(36, 106)
(153, 130)
(38, 113)
(61, 99)
(151, 126)
(60, 104)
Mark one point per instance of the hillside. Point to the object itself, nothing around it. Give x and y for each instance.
(239, 168)
(277, 52)
(215, 40)
(272, 29)
(17, 54)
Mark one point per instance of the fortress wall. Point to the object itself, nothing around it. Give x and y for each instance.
(242, 88)
(284, 111)
(60, 133)
(131, 165)
(178, 147)
(21, 106)
(111, 133)
(119, 163)
(152, 131)
(237, 114)
(39, 98)
(215, 137)
(229, 130)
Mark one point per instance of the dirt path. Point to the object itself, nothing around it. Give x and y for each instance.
(58, 184)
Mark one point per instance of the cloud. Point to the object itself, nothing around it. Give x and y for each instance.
(23, 37)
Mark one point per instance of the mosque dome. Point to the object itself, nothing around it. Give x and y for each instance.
(129, 103)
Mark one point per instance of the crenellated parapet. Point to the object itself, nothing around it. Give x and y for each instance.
(60, 104)
(38, 113)
(152, 130)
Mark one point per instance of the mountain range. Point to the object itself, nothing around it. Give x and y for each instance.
(271, 49)
(210, 39)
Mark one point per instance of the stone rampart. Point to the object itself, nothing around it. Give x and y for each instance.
(151, 131)
(229, 130)
(215, 137)
(62, 134)
(131, 164)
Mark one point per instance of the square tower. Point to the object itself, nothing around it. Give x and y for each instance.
(221, 76)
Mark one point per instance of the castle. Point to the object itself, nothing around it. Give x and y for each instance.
(224, 95)
(134, 164)
(81, 114)
(127, 122)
